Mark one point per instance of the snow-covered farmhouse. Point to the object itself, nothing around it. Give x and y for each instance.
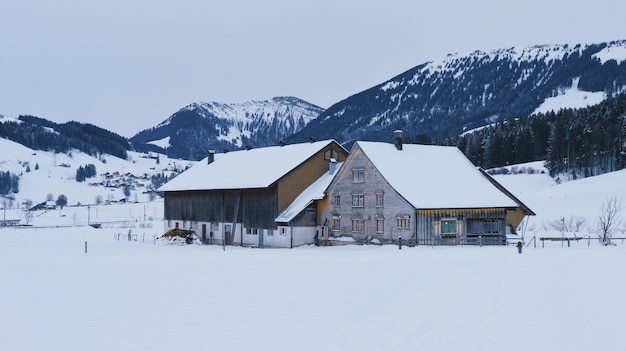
(423, 194)
(236, 198)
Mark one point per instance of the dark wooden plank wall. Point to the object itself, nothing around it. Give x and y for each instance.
(258, 207)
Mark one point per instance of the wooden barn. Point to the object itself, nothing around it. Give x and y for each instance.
(234, 198)
(422, 194)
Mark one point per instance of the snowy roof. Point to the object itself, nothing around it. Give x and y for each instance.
(430, 176)
(315, 191)
(246, 169)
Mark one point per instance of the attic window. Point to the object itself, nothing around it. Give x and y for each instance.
(358, 175)
(330, 153)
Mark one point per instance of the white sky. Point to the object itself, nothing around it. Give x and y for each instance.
(128, 65)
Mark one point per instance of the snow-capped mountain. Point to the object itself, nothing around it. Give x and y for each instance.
(194, 129)
(445, 97)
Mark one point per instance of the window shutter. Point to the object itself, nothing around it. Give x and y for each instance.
(459, 227)
(437, 231)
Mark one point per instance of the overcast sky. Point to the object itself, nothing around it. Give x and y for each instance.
(127, 65)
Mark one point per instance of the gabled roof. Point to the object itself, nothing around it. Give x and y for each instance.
(434, 177)
(246, 169)
(315, 191)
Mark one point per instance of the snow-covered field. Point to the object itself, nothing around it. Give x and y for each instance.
(134, 295)
(138, 295)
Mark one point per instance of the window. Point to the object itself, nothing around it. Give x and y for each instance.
(252, 231)
(358, 200)
(358, 175)
(358, 225)
(380, 199)
(448, 227)
(492, 226)
(403, 222)
(380, 225)
(283, 231)
(330, 153)
(337, 200)
(336, 224)
(215, 227)
(270, 232)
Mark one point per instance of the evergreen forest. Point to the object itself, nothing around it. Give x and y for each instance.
(575, 143)
(41, 134)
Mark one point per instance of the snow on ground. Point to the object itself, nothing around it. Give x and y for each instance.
(134, 295)
(146, 295)
(571, 98)
(57, 174)
(582, 198)
(164, 143)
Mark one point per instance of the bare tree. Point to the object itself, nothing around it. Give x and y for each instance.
(569, 224)
(28, 215)
(609, 219)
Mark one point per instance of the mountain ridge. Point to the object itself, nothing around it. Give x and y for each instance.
(200, 126)
(445, 97)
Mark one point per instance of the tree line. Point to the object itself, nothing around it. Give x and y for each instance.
(575, 143)
(41, 134)
(9, 183)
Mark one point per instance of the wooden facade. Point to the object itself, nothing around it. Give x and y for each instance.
(246, 216)
(361, 204)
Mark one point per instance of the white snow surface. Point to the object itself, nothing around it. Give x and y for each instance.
(434, 176)
(245, 169)
(571, 98)
(614, 51)
(57, 174)
(164, 143)
(145, 295)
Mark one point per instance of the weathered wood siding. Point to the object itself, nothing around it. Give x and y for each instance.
(373, 183)
(257, 207)
(201, 206)
(470, 226)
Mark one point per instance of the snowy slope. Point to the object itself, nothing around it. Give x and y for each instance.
(445, 97)
(57, 172)
(581, 198)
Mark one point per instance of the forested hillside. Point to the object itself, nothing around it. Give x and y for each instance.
(575, 143)
(41, 134)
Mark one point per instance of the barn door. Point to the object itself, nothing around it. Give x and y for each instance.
(228, 228)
